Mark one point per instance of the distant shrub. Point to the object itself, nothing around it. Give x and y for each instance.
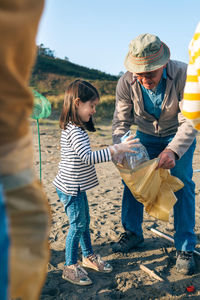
(105, 109)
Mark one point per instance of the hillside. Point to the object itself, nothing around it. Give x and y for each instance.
(51, 75)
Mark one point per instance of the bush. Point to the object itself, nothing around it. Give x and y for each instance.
(104, 110)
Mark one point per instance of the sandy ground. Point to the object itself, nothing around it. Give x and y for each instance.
(127, 281)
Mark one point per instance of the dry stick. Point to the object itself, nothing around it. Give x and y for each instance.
(150, 272)
(169, 238)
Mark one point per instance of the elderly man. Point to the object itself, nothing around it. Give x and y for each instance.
(149, 95)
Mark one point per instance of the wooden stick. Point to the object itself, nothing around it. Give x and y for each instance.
(167, 237)
(150, 272)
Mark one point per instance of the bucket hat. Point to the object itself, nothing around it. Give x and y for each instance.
(146, 53)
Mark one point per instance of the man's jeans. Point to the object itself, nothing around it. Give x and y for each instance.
(184, 209)
(77, 210)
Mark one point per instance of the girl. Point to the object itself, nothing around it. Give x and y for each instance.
(77, 174)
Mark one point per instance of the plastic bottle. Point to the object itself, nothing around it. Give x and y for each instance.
(135, 159)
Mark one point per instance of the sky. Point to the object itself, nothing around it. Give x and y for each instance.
(96, 34)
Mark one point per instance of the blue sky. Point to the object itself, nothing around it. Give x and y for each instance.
(96, 34)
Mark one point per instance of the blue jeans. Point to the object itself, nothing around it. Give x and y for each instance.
(77, 210)
(4, 248)
(184, 209)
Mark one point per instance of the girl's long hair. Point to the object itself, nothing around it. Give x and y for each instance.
(77, 89)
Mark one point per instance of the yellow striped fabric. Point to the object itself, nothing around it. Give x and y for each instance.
(191, 97)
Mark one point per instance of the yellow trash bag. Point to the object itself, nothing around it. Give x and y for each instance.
(154, 188)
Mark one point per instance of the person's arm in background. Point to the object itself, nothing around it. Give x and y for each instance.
(27, 212)
(191, 101)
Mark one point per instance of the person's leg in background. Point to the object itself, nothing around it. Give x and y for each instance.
(25, 200)
(4, 247)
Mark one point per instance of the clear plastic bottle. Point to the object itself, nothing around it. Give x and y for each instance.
(135, 159)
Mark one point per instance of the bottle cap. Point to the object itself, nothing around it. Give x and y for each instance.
(190, 288)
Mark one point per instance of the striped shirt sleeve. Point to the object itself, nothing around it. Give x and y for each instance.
(191, 98)
(79, 141)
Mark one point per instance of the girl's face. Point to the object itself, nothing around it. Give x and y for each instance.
(86, 109)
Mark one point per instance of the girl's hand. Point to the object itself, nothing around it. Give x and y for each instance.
(125, 146)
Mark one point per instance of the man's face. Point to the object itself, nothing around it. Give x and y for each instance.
(149, 79)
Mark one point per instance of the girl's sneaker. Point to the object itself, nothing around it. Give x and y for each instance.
(76, 274)
(96, 263)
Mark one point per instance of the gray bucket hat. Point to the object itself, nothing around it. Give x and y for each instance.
(146, 53)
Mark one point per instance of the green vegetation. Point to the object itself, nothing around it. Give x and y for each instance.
(105, 109)
(51, 75)
(59, 66)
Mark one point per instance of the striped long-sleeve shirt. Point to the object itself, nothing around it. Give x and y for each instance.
(191, 100)
(76, 168)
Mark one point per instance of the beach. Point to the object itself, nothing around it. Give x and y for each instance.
(127, 280)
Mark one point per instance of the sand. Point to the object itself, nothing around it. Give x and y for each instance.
(127, 281)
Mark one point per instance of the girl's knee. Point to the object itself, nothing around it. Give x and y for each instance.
(80, 228)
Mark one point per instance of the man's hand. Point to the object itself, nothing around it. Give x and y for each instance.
(167, 159)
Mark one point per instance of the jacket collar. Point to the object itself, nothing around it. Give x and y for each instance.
(169, 71)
